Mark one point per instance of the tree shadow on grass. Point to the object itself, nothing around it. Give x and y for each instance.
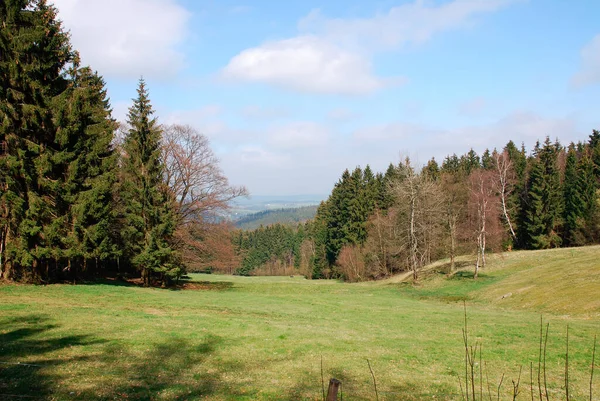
(37, 363)
(26, 346)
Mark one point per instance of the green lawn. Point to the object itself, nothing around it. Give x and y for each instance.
(262, 338)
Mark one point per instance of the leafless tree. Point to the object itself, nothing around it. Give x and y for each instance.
(193, 174)
(419, 204)
(456, 196)
(483, 211)
(505, 177)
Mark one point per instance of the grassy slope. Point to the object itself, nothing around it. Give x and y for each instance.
(261, 338)
(559, 281)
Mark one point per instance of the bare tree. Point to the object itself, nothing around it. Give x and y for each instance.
(419, 207)
(483, 211)
(505, 176)
(192, 172)
(455, 202)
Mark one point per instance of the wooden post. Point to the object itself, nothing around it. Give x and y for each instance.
(334, 386)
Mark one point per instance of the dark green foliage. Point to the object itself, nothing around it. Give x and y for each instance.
(580, 198)
(86, 136)
(148, 214)
(57, 163)
(266, 244)
(487, 161)
(432, 170)
(544, 200)
(470, 162)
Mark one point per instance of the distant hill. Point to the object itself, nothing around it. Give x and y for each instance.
(282, 216)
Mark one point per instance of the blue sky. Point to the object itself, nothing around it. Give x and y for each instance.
(291, 93)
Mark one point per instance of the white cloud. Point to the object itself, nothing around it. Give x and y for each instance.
(342, 115)
(127, 38)
(305, 64)
(589, 74)
(334, 55)
(264, 113)
(414, 23)
(298, 135)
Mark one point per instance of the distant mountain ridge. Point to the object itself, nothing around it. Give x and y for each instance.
(282, 216)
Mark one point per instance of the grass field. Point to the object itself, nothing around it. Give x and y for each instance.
(262, 338)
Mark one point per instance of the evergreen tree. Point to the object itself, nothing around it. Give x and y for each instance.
(432, 170)
(573, 201)
(487, 161)
(85, 139)
(148, 214)
(34, 50)
(544, 199)
(581, 206)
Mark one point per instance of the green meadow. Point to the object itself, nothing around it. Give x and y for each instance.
(274, 338)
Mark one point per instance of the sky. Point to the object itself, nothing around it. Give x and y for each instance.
(291, 93)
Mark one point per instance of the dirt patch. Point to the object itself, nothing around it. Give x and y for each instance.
(207, 285)
(153, 311)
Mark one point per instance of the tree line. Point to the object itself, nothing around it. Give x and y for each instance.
(376, 225)
(80, 194)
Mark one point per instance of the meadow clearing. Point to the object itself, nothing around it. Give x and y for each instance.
(262, 338)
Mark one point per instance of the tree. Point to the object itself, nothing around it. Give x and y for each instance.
(193, 175)
(419, 206)
(579, 198)
(544, 200)
(483, 212)
(34, 51)
(504, 181)
(455, 197)
(85, 138)
(148, 206)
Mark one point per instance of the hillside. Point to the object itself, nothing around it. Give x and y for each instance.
(564, 281)
(282, 216)
(238, 338)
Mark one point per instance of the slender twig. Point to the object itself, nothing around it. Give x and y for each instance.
(322, 378)
(465, 340)
(540, 358)
(487, 379)
(500, 385)
(593, 361)
(480, 375)
(472, 362)
(545, 378)
(531, 378)
(374, 382)
(567, 366)
(516, 385)
(462, 393)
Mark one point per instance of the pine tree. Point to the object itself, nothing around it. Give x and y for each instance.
(573, 201)
(487, 160)
(544, 199)
(34, 50)
(432, 170)
(85, 139)
(148, 214)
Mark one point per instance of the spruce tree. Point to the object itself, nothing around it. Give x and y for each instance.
(34, 51)
(544, 199)
(148, 213)
(573, 201)
(85, 138)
